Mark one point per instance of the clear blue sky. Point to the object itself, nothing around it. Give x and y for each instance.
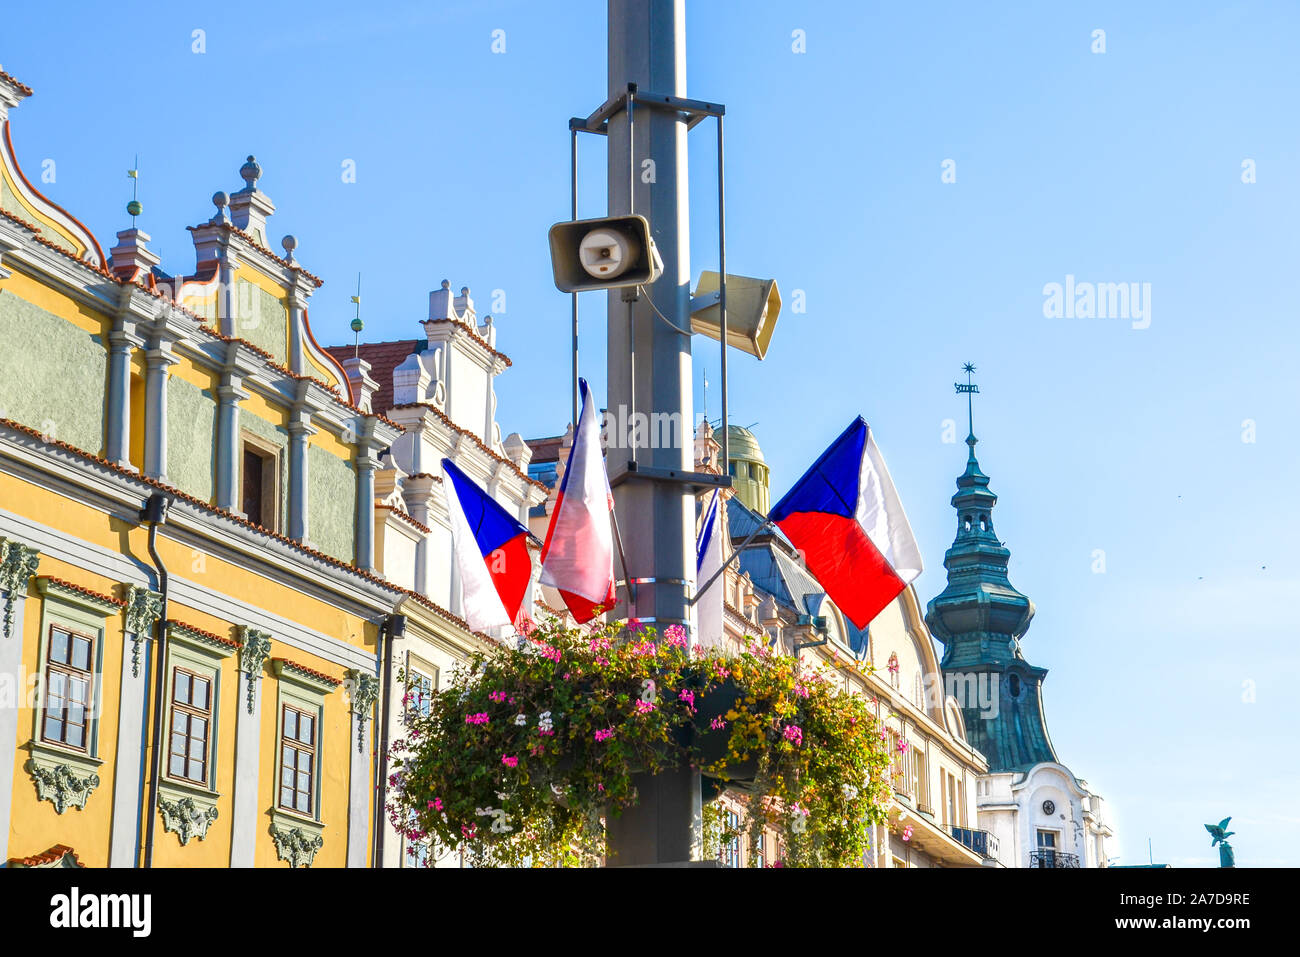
(1117, 167)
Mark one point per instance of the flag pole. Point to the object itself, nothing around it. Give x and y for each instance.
(699, 592)
(622, 560)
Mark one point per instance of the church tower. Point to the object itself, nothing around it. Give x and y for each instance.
(980, 618)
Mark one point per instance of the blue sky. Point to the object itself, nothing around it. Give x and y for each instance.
(1123, 166)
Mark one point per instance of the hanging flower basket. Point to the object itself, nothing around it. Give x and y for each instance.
(528, 749)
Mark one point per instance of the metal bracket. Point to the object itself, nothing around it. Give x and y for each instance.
(598, 122)
(635, 470)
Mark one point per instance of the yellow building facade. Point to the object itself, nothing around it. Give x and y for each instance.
(191, 610)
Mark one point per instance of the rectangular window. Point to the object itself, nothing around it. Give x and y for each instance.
(69, 681)
(191, 722)
(730, 854)
(297, 761)
(417, 852)
(1046, 856)
(259, 470)
(952, 801)
(420, 687)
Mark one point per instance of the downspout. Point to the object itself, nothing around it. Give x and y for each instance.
(155, 514)
(393, 627)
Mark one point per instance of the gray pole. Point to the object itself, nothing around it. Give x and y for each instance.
(649, 371)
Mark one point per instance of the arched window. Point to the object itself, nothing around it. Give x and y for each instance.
(966, 522)
(1015, 686)
(984, 523)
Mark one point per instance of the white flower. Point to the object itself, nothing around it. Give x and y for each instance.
(544, 721)
(850, 792)
(521, 720)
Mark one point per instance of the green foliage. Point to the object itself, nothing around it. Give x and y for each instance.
(531, 745)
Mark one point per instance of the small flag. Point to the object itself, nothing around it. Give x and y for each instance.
(708, 559)
(847, 519)
(578, 556)
(491, 552)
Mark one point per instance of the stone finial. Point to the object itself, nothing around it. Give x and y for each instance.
(221, 200)
(289, 243)
(251, 172)
(363, 386)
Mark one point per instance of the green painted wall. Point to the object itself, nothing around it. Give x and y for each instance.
(53, 375)
(331, 504)
(9, 202)
(273, 433)
(191, 438)
(262, 319)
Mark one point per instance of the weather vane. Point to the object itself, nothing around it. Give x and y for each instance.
(1220, 834)
(357, 324)
(970, 389)
(134, 208)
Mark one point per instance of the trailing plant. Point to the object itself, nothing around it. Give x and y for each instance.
(533, 743)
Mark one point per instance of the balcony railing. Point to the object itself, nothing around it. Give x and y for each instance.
(981, 842)
(1049, 858)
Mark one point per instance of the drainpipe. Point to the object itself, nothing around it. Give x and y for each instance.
(155, 513)
(393, 627)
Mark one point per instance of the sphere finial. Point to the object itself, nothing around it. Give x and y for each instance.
(290, 243)
(251, 171)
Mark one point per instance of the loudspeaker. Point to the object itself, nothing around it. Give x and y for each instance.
(752, 309)
(603, 253)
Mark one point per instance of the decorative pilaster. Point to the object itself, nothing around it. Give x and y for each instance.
(18, 563)
(367, 462)
(418, 492)
(143, 609)
(117, 434)
(157, 360)
(229, 395)
(254, 649)
(300, 430)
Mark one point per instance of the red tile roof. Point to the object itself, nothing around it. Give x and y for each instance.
(383, 357)
(45, 857)
(294, 666)
(402, 515)
(22, 88)
(109, 599)
(545, 449)
(204, 634)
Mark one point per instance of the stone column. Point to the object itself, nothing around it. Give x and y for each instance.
(117, 433)
(229, 395)
(300, 430)
(159, 358)
(18, 563)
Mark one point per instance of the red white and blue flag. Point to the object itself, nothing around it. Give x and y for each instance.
(578, 555)
(491, 550)
(846, 518)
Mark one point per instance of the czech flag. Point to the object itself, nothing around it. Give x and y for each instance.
(578, 555)
(846, 518)
(491, 549)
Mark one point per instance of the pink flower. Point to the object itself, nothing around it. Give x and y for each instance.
(687, 695)
(508, 761)
(435, 804)
(902, 746)
(676, 636)
(793, 733)
(479, 718)
(717, 724)
(604, 734)
(907, 833)
(470, 831)
(498, 696)
(801, 690)
(644, 707)
(550, 653)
